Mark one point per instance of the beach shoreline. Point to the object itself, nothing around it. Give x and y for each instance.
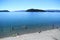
(44, 35)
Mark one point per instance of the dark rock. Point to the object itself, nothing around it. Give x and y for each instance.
(18, 34)
(39, 31)
(26, 27)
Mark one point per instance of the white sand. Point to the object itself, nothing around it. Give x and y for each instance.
(53, 34)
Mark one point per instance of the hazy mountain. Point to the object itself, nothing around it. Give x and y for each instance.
(52, 10)
(19, 11)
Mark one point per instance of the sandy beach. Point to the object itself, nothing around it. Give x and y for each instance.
(53, 34)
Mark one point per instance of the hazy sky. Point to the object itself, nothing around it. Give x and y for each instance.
(26, 4)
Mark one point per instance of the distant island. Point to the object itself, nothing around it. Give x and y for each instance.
(4, 11)
(31, 10)
(35, 10)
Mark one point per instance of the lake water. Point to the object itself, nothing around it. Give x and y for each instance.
(18, 20)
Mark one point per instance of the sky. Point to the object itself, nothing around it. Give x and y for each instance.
(27, 4)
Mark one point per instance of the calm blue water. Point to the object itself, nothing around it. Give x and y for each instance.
(31, 19)
(26, 18)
